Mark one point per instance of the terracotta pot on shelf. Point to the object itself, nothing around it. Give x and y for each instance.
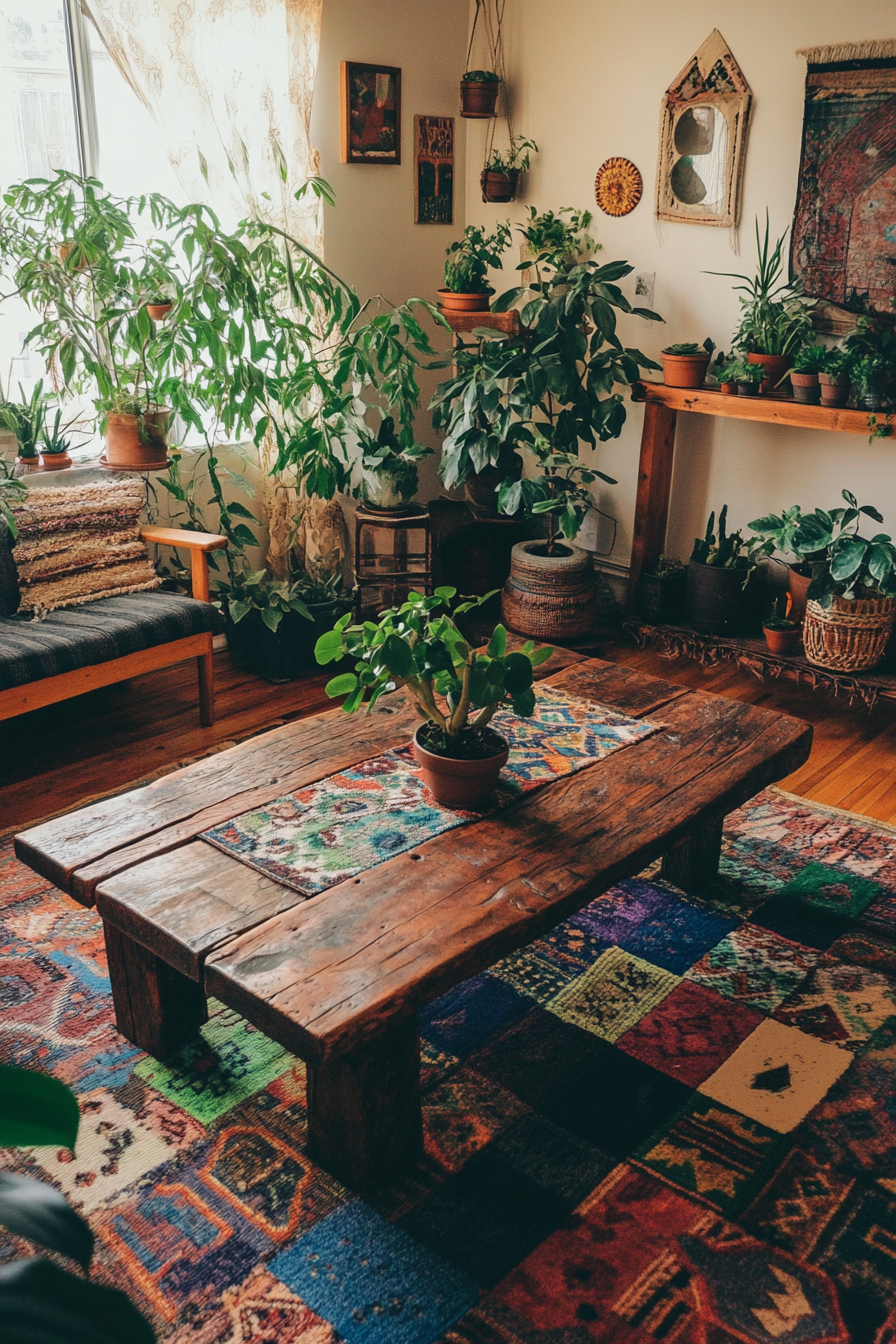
(805, 388)
(459, 784)
(54, 461)
(797, 593)
(465, 303)
(125, 450)
(159, 311)
(550, 597)
(728, 389)
(685, 370)
(499, 187)
(781, 641)
(478, 97)
(834, 388)
(29, 463)
(775, 367)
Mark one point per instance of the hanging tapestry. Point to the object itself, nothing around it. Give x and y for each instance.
(703, 139)
(433, 170)
(843, 244)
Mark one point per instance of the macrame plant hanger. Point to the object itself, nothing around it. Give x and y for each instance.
(494, 30)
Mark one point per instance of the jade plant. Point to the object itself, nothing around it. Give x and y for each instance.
(456, 688)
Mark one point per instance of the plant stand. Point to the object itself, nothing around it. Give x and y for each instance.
(393, 554)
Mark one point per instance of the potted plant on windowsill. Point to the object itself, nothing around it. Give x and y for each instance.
(685, 364)
(807, 365)
(418, 645)
(54, 445)
(661, 591)
(479, 93)
(500, 177)
(134, 430)
(723, 586)
(389, 477)
(852, 597)
(782, 634)
(25, 420)
(467, 263)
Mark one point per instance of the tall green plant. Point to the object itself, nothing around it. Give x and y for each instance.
(776, 318)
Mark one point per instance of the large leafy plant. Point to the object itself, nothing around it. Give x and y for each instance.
(776, 318)
(418, 645)
(845, 564)
(469, 258)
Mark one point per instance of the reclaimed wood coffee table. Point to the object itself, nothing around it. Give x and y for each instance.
(337, 978)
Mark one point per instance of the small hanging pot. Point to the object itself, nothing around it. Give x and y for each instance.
(499, 187)
(478, 97)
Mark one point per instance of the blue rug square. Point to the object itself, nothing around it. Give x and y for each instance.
(463, 1018)
(373, 1282)
(653, 923)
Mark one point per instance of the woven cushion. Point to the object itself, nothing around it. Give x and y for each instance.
(77, 543)
(106, 629)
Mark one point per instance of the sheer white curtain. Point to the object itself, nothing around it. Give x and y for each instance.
(229, 83)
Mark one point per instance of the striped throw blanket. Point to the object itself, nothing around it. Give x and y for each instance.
(77, 543)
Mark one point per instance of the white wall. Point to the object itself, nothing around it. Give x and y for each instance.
(586, 82)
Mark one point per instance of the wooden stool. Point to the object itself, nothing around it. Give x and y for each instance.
(393, 555)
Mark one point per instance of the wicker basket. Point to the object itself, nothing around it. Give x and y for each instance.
(550, 597)
(849, 636)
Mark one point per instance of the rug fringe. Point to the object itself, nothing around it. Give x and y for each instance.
(881, 49)
(841, 813)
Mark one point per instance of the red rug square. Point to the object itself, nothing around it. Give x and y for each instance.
(690, 1033)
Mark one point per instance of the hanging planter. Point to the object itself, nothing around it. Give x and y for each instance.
(498, 187)
(479, 93)
(500, 178)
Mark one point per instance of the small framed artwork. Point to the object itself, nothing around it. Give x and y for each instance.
(371, 113)
(433, 170)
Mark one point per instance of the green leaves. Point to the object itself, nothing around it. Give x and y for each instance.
(398, 657)
(36, 1109)
(42, 1304)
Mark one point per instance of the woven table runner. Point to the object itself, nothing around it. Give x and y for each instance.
(341, 825)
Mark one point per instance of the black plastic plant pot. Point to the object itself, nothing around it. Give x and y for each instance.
(746, 388)
(288, 652)
(718, 603)
(662, 601)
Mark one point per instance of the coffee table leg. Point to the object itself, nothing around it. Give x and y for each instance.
(694, 861)
(156, 1007)
(364, 1120)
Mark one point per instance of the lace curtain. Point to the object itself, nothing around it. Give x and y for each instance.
(229, 83)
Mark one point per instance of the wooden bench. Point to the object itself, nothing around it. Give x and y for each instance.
(48, 690)
(338, 978)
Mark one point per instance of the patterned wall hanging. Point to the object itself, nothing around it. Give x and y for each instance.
(433, 170)
(703, 139)
(618, 187)
(843, 245)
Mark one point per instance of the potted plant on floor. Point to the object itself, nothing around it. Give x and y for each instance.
(467, 264)
(833, 378)
(723, 582)
(852, 597)
(685, 364)
(778, 532)
(782, 633)
(479, 93)
(389, 477)
(807, 365)
(776, 317)
(418, 645)
(661, 591)
(261, 637)
(500, 177)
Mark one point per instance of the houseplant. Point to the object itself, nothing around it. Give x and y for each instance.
(852, 597)
(782, 633)
(467, 263)
(479, 93)
(500, 177)
(555, 241)
(778, 532)
(158, 306)
(685, 364)
(54, 445)
(389, 469)
(727, 376)
(871, 380)
(776, 318)
(870, 350)
(661, 591)
(833, 378)
(25, 419)
(722, 587)
(418, 645)
(807, 365)
(750, 378)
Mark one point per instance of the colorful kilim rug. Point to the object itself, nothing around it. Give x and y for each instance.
(668, 1119)
(328, 832)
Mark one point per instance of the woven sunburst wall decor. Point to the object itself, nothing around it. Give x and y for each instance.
(618, 186)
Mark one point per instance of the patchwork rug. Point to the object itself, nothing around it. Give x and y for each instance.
(668, 1119)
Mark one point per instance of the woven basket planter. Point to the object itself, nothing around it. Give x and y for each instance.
(550, 597)
(849, 636)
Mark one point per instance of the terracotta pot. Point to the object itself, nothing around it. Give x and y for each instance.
(54, 461)
(126, 449)
(478, 98)
(29, 463)
(775, 368)
(797, 593)
(450, 302)
(684, 370)
(158, 311)
(550, 597)
(806, 388)
(459, 784)
(481, 489)
(64, 250)
(834, 389)
(729, 389)
(499, 187)
(781, 641)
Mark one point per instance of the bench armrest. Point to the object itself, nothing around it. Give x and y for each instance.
(197, 543)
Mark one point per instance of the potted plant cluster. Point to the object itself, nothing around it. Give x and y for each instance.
(807, 365)
(662, 590)
(467, 264)
(479, 93)
(685, 364)
(500, 177)
(782, 632)
(722, 583)
(457, 689)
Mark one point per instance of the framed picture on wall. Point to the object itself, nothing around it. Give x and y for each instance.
(371, 113)
(433, 170)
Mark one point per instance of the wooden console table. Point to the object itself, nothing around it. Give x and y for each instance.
(658, 449)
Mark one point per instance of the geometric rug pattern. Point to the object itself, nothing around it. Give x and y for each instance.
(670, 1118)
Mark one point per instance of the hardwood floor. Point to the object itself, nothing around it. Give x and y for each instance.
(55, 758)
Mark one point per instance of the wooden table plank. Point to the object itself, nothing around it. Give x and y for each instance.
(328, 975)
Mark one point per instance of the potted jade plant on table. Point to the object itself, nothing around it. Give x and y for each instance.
(467, 263)
(685, 364)
(479, 93)
(723, 585)
(419, 645)
(500, 177)
(807, 365)
(782, 632)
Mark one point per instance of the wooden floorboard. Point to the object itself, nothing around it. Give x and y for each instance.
(53, 759)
